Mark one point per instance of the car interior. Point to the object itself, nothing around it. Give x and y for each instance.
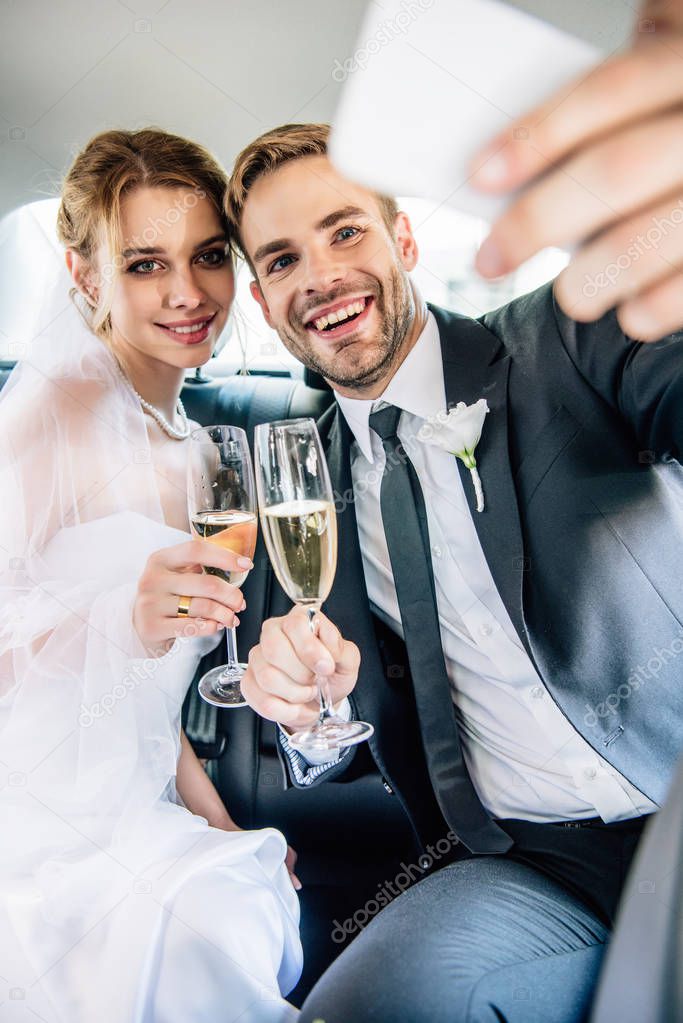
(353, 839)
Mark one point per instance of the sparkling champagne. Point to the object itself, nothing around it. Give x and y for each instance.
(232, 530)
(301, 537)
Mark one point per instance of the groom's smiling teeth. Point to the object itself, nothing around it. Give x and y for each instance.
(339, 315)
(342, 314)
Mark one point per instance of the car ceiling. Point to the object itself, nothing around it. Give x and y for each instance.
(219, 72)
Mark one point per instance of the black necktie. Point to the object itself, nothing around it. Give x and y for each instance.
(405, 526)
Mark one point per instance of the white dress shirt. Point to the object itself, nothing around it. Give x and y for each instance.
(525, 758)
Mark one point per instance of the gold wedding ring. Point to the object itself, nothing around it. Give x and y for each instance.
(183, 607)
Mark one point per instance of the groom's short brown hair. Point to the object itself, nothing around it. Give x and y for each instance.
(270, 151)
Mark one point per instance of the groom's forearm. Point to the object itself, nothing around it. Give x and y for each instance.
(197, 791)
(643, 382)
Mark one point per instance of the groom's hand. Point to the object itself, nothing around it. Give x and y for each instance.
(279, 682)
(601, 165)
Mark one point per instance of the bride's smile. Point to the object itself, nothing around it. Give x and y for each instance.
(166, 290)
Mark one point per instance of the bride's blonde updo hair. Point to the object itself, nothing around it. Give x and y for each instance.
(112, 165)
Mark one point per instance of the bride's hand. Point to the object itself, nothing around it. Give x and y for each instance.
(175, 572)
(290, 863)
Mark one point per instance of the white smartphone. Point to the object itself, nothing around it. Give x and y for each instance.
(431, 81)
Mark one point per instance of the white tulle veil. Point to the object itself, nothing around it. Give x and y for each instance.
(78, 514)
(87, 719)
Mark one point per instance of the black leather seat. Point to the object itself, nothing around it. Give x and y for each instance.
(5, 370)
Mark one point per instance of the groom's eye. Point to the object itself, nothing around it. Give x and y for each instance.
(280, 264)
(344, 233)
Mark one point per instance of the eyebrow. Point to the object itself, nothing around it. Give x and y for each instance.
(278, 244)
(127, 253)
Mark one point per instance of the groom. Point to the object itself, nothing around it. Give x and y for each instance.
(535, 718)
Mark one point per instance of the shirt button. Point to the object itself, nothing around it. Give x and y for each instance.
(425, 862)
(590, 773)
(486, 629)
(436, 551)
(537, 692)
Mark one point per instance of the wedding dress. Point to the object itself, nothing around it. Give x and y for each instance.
(117, 904)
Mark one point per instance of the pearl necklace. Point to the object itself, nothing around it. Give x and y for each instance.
(157, 415)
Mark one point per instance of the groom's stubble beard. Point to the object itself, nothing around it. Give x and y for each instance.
(396, 309)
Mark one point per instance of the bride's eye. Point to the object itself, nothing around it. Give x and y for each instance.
(137, 267)
(216, 257)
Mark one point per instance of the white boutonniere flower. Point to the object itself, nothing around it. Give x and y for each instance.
(458, 431)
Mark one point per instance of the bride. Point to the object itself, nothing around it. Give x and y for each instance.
(127, 893)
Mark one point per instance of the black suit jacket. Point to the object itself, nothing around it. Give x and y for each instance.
(582, 531)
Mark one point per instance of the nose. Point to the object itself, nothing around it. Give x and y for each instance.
(323, 273)
(183, 291)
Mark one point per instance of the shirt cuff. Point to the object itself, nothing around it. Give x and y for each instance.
(307, 769)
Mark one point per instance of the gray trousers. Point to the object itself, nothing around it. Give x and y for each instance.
(512, 939)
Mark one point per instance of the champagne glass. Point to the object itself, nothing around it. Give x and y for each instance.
(299, 523)
(222, 510)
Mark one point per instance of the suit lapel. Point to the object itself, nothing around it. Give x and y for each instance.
(476, 366)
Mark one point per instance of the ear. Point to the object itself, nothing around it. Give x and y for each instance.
(406, 245)
(257, 294)
(82, 276)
